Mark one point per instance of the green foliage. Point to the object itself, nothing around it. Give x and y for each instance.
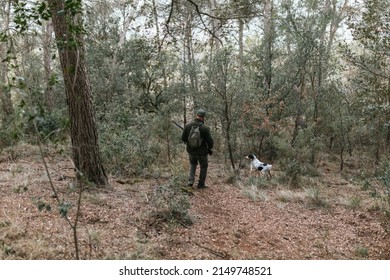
(170, 202)
(53, 125)
(361, 252)
(8, 136)
(129, 145)
(259, 181)
(299, 159)
(25, 13)
(370, 29)
(316, 198)
(355, 202)
(133, 107)
(384, 178)
(42, 205)
(4, 224)
(3, 37)
(368, 58)
(63, 209)
(20, 189)
(255, 193)
(13, 132)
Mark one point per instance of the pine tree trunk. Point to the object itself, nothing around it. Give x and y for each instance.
(5, 96)
(267, 47)
(47, 30)
(83, 130)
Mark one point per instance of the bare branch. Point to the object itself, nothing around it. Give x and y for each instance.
(200, 13)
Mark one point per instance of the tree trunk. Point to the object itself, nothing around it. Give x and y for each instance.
(5, 96)
(241, 46)
(190, 65)
(215, 44)
(83, 130)
(47, 30)
(267, 47)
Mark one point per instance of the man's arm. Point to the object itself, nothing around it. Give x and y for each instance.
(184, 135)
(208, 138)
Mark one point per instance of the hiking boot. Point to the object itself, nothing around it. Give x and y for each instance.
(202, 187)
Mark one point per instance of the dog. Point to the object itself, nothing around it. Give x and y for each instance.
(260, 166)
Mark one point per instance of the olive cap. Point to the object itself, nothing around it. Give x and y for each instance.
(201, 113)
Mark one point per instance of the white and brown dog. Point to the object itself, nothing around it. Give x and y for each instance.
(260, 166)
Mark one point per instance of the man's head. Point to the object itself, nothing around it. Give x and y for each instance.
(201, 113)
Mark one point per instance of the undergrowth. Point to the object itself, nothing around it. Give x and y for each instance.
(170, 202)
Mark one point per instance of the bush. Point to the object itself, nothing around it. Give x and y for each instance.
(170, 203)
(384, 198)
(53, 126)
(315, 198)
(132, 143)
(299, 158)
(125, 152)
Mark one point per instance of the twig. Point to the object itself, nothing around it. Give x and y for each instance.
(73, 226)
(138, 227)
(201, 19)
(183, 224)
(222, 255)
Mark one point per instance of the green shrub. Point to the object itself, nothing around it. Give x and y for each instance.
(315, 198)
(125, 152)
(53, 126)
(254, 193)
(354, 202)
(299, 158)
(384, 198)
(170, 204)
(361, 252)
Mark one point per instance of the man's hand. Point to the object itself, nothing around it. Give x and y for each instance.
(210, 151)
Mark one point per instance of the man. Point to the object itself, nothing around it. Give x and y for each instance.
(198, 155)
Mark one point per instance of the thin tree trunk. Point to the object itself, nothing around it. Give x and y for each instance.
(388, 116)
(5, 96)
(190, 65)
(378, 143)
(47, 30)
(267, 47)
(215, 44)
(241, 45)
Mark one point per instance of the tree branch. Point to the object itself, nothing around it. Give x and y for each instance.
(200, 13)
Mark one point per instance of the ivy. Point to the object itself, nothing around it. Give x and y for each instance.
(26, 14)
(39, 11)
(64, 209)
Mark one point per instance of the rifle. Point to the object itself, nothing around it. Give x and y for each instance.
(178, 125)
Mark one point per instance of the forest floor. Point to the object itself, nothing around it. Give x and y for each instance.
(330, 216)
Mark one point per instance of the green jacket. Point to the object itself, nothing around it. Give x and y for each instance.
(207, 142)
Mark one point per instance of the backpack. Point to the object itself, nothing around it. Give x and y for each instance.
(194, 138)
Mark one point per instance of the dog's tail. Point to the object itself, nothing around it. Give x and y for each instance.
(267, 166)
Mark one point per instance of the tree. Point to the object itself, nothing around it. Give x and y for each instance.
(371, 84)
(67, 24)
(6, 55)
(224, 85)
(267, 46)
